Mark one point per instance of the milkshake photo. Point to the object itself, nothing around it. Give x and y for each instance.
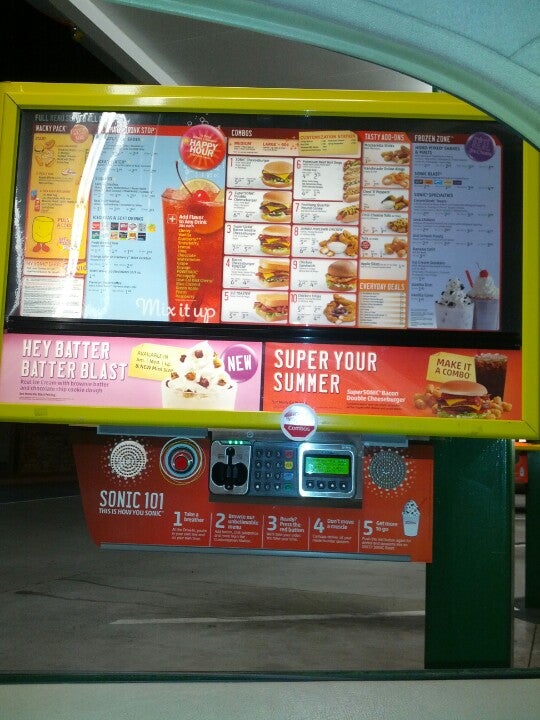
(485, 296)
(454, 309)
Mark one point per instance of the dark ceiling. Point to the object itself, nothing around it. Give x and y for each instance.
(40, 48)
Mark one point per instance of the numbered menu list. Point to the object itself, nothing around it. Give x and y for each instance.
(316, 230)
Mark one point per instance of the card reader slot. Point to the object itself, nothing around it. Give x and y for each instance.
(229, 471)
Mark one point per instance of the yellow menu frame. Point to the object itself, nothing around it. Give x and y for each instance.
(16, 97)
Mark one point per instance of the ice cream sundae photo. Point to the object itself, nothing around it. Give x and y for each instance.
(199, 381)
(454, 309)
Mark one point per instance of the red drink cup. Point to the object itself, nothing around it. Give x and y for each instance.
(193, 217)
(491, 372)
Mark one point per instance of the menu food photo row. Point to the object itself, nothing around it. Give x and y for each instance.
(127, 218)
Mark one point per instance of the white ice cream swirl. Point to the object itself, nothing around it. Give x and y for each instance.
(454, 294)
(484, 288)
(199, 371)
(411, 509)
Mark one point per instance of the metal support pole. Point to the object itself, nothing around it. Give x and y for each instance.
(532, 535)
(470, 583)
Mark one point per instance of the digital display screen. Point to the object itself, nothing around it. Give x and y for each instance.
(327, 465)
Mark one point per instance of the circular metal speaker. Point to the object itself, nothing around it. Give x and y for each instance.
(388, 469)
(128, 458)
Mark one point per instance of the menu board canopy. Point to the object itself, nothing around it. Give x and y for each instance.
(391, 220)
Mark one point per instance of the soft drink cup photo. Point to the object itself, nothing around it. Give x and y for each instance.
(490, 371)
(193, 218)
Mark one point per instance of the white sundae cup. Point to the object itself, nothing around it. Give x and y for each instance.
(454, 317)
(179, 398)
(411, 518)
(198, 381)
(454, 310)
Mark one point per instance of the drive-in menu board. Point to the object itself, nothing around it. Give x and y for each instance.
(136, 217)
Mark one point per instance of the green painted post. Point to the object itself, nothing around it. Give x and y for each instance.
(470, 583)
(532, 533)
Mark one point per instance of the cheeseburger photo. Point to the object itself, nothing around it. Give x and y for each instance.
(462, 398)
(277, 174)
(275, 240)
(341, 276)
(272, 307)
(273, 273)
(276, 206)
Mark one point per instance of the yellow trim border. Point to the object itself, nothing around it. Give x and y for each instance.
(16, 97)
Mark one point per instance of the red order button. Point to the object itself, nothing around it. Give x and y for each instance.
(181, 460)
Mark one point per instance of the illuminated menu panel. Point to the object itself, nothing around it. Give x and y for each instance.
(215, 223)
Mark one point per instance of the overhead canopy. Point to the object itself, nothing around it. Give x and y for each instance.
(486, 52)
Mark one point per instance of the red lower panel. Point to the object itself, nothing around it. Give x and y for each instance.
(155, 491)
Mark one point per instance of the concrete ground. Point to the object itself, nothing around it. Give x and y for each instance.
(67, 606)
